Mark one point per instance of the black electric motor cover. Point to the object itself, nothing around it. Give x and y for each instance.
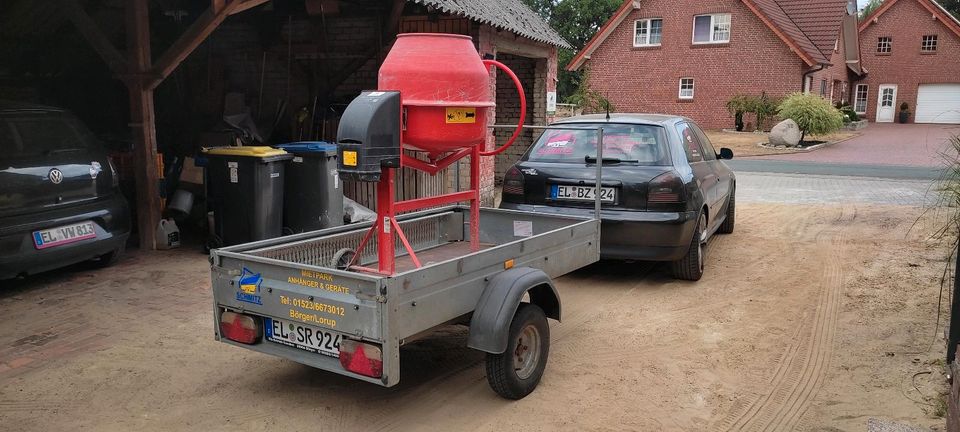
(369, 136)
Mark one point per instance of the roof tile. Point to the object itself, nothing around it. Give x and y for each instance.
(510, 15)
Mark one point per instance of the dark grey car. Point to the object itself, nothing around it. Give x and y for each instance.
(59, 198)
(665, 190)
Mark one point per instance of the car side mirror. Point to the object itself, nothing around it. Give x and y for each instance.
(726, 153)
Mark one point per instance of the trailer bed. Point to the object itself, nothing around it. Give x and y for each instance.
(296, 279)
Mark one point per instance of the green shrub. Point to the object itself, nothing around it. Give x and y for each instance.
(813, 114)
(738, 105)
(763, 106)
(849, 114)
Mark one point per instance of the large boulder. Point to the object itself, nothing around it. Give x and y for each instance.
(785, 133)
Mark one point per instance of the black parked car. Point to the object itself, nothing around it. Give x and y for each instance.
(665, 190)
(59, 197)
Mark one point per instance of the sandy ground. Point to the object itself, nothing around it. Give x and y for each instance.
(748, 144)
(808, 318)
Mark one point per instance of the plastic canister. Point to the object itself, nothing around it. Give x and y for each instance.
(168, 234)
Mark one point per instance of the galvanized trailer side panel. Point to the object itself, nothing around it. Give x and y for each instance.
(292, 283)
(450, 289)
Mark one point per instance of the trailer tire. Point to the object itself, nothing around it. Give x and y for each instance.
(516, 372)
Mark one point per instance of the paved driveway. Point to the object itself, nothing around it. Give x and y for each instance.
(884, 144)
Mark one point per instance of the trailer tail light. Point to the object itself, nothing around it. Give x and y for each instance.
(361, 358)
(513, 182)
(239, 327)
(666, 188)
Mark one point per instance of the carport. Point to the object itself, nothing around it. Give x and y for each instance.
(291, 65)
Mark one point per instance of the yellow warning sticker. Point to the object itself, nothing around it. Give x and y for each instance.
(461, 115)
(350, 158)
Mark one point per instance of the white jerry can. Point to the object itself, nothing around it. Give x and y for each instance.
(168, 234)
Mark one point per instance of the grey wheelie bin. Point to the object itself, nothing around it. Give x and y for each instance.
(313, 195)
(245, 193)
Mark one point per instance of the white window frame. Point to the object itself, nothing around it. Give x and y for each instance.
(885, 44)
(693, 87)
(808, 84)
(928, 43)
(648, 23)
(856, 99)
(713, 27)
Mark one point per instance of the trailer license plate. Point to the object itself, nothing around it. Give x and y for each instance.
(581, 193)
(302, 336)
(63, 234)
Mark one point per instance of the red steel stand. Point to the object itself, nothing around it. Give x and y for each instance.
(386, 224)
(387, 208)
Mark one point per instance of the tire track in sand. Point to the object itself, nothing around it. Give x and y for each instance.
(801, 371)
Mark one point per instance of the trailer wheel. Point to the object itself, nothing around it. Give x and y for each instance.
(516, 372)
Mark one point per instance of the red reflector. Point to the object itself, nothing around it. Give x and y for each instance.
(361, 358)
(239, 327)
(660, 197)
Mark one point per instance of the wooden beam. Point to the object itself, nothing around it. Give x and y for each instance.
(89, 30)
(194, 36)
(142, 122)
(393, 22)
(245, 5)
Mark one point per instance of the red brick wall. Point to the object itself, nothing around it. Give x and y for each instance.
(836, 75)
(647, 79)
(907, 22)
(508, 107)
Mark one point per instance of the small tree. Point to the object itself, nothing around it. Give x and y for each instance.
(589, 99)
(738, 105)
(813, 114)
(763, 106)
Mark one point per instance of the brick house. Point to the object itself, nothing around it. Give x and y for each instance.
(689, 58)
(911, 50)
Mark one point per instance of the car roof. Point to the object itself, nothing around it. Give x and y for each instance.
(629, 118)
(14, 106)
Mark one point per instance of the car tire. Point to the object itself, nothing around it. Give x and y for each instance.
(727, 226)
(690, 267)
(516, 372)
(108, 259)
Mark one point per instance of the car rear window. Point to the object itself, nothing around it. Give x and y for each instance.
(639, 144)
(28, 135)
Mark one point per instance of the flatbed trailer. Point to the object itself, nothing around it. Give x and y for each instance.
(294, 297)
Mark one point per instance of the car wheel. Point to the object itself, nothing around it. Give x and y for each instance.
(690, 267)
(108, 259)
(516, 372)
(727, 226)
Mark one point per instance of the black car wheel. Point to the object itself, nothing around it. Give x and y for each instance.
(690, 267)
(727, 226)
(516, 372)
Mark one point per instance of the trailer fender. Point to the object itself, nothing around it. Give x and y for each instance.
(490, 324)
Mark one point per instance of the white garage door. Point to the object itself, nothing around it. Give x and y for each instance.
(938, 103)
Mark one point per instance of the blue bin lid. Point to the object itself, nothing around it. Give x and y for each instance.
(309, 147)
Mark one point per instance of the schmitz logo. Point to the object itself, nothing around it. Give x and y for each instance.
(250, 287)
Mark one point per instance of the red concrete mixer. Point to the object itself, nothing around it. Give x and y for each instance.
(433, 96)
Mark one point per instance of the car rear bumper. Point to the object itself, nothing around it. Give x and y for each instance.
(19, 256)
(635, 235)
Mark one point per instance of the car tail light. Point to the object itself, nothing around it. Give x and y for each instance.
(361, 358)
(513, 182)
(239, 327)
(667, 188)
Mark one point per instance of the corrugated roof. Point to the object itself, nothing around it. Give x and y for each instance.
(510, 15)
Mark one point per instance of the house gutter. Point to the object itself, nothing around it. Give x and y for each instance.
(803, 79)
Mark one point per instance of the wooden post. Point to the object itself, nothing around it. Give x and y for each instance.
(142, 122)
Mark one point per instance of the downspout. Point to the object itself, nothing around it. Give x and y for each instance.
(803, 79)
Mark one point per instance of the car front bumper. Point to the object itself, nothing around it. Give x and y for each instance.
(633, 235)
(19, 256)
